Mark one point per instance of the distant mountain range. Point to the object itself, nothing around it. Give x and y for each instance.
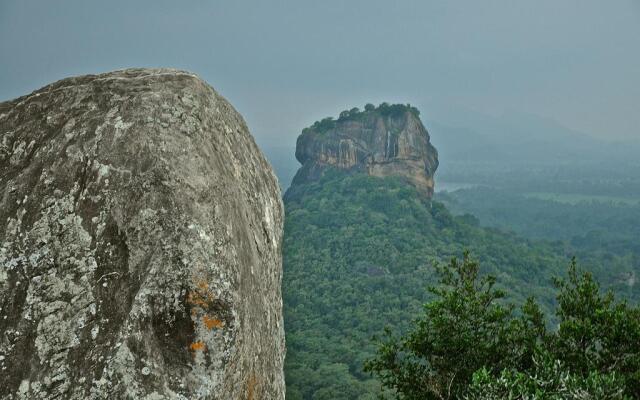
(523, 139)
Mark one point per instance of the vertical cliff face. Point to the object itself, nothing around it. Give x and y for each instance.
(140, 242)
(385, 141)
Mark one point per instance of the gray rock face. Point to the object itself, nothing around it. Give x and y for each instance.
(374, 142)
(140, 242)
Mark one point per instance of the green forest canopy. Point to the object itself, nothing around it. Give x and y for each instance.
(358, 254)
(354, 114)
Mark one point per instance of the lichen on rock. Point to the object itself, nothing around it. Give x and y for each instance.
(139, 244)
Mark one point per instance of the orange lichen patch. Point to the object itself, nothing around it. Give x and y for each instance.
(195, 346)
(201, 296)
(251, 386)
(196, 299)
(211, 323)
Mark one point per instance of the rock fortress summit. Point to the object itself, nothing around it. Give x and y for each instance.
(140, 244)
(388, 140)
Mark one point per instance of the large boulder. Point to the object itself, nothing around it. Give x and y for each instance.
(389, 140)
(140, 238)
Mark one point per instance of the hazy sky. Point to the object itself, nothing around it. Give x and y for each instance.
(284, 64)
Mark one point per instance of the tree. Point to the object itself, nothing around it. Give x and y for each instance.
(467, 344)
(596, 333)
(369, 107)
(324, 125)
(462, 330)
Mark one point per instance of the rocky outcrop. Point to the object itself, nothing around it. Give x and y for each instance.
(383, 141)
(140, 242)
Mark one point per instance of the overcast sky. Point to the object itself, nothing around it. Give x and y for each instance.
(284, 64)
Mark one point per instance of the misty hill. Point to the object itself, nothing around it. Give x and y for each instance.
(527, 153)
(602, 232)
(520, 138)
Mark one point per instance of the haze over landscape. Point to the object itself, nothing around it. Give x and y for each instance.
(456, 213)
(285, 63)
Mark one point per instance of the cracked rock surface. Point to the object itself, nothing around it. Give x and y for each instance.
(140, 238)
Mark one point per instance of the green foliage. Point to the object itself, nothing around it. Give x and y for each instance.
(354, 114)
(323, 125)
(549, 379)
(595, 332)
(358, 253)
(604, 236)
(467, 344)
(396, 110)
(327, 382)
(460, 331)
(538, 175)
